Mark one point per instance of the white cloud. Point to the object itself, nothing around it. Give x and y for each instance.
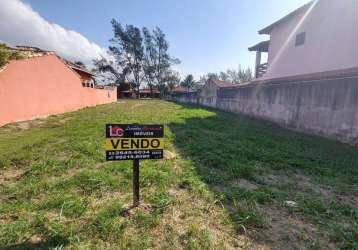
(21, 25)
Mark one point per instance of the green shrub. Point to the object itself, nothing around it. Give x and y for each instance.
(7, 55)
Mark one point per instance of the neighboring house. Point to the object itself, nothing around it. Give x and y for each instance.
(44, 84)
(208, 93)
(179, 90)
(126, 91)
(87, 77)
(148, 93)
(183, 90)
(317, 40)
(185, 95)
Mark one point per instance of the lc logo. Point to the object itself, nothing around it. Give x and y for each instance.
(115, 131)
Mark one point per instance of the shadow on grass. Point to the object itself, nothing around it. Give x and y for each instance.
(226, 146)
(232, 154)
(51, 242)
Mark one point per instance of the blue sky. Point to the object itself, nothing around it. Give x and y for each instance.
(207, 36)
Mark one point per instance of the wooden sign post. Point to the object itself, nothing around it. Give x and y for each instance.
(136, 192)
(134, 142)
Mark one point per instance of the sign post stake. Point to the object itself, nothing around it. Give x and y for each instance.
(136, 193)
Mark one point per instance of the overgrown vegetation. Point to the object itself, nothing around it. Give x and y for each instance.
(139, 56)
(238, 76)
(228, 186)
(7, 55)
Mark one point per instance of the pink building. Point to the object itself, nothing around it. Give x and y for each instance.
(317, 40)
(45, 85)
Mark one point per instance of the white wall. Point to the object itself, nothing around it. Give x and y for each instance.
(208, 94)
(331, 28)
(326, 108)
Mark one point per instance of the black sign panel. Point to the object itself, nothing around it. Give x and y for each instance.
(134, 142)
(134, 130)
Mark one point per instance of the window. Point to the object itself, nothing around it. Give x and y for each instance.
(300, 39)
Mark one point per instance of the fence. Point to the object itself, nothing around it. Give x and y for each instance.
(327, 108)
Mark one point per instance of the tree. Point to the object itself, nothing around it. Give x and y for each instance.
(188, 82)
(129, 51)
(81, 64)
(158, 62)
(150, 57)
(208, 76)
(224, 76)
(234, 76)
(238, 76)
(109, 71)
(138, 55)
(248, 75)
(244, 75)
(172, 80)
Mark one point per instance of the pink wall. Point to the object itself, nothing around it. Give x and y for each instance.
(331, 41)
(43, 86)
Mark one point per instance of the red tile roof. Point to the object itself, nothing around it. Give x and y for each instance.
(180, 90)
(77, 67)
(147, 91)
(223, 84)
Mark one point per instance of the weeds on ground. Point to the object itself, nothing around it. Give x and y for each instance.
(227, 187)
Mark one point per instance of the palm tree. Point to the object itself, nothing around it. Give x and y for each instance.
(188, 82)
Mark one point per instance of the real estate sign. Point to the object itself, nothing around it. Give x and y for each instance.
(134, 142)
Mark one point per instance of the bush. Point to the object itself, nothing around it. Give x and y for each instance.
(7, 55)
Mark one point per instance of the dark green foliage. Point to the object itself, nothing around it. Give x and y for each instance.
(188, 82)
(7, 55)
(140, 55)
(238, 76)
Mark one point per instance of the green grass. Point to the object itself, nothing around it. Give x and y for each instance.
(225, 189)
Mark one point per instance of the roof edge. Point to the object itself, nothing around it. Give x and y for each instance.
(262, 46)
(222, 84)
(267, 30)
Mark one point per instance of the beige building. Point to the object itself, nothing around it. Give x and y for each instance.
(208, 93)
(320, 38)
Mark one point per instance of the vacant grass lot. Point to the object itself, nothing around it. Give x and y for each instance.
(233, 183)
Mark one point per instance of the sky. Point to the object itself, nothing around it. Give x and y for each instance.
(206, 35)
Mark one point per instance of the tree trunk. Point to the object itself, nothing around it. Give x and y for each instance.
(151, 90)
(137, 92)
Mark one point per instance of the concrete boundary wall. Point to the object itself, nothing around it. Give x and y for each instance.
(328, 108)
(191, 97)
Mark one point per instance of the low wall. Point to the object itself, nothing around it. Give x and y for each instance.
(328, 108)
(43, 86)
(191, 97)
(93, 97)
